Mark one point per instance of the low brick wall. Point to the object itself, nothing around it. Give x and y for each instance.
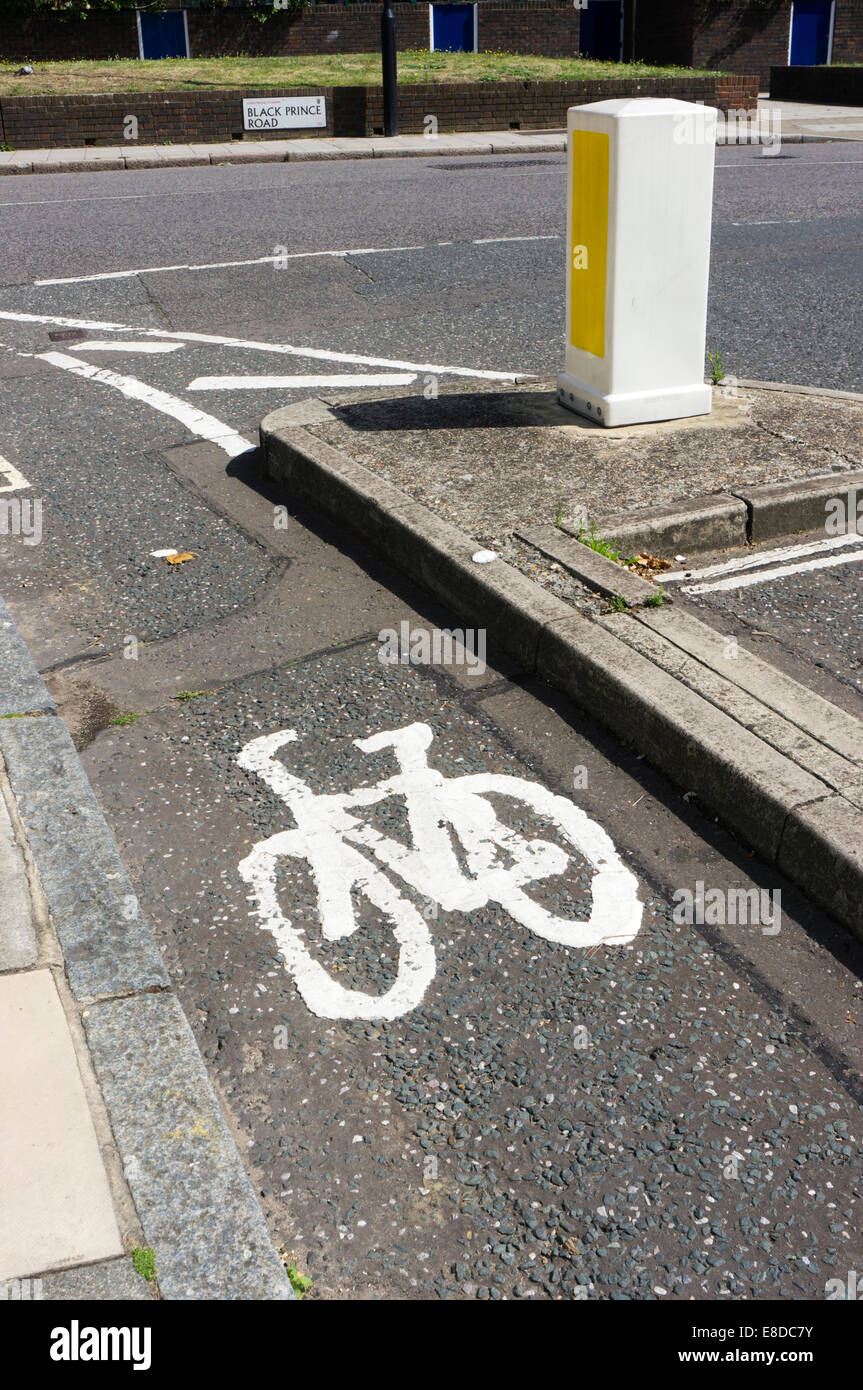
(831, 86)
(41, 122)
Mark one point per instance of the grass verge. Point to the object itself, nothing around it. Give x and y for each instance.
(325, 70)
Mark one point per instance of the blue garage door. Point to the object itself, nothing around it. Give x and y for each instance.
(810, 32)
(601, 30)
(163, 35)
(453, 28)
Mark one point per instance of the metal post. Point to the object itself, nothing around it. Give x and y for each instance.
(388, 57)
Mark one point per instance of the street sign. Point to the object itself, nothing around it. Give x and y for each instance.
(640, 191)
(284, 113)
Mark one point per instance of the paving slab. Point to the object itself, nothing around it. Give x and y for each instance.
(103, 1282)
(107, 945)
(179, 1158)
(21, 689)
(18, 945)
(56, 1207)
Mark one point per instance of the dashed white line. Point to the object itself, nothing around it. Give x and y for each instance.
(745, 581)
(285, 383)
(196, 421)
(10, 479)
(93, 346)
(286, 349)
(278, 259)
(758, 558)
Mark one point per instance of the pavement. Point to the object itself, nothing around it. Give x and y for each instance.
(118, 1176)
(798, 123)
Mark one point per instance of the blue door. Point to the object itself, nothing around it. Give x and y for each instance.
(453, 28)
(600, 33)
(163, 35)
(810, 32)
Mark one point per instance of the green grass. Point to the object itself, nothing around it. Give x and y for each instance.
(655, 600)
(595, 542)
(144, 1260)
(716, 363)
(185, 695)
(616, 604)
(324, 70)
(300, 1283)
(122, 720)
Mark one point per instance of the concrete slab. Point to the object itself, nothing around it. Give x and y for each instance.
(107, 945)
(18, 946)
(55, 1200)
(114, 1279)
(16, 162)
(180, 1160)
(22, 690)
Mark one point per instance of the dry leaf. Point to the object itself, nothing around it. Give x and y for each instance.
(180, 559)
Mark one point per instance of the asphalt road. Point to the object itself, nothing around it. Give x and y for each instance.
(544, 1119)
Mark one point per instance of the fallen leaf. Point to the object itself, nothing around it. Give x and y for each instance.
(181, 558)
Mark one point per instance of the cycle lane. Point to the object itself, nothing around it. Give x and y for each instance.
(677, 1115)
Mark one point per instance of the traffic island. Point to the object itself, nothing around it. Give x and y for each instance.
(458, 489)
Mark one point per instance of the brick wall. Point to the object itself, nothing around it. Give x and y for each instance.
(317, 29)
(834, 86)
(108, 34)
(744, 37)
(848, 32)
(54, 122)
(524, 27)
(663, 32)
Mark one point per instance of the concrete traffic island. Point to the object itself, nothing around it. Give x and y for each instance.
(435, 483)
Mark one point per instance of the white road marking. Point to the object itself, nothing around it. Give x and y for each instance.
(204, 426)
(776, 222)
(127, 347)
(743, 164)
(762, 557)
(288, 256)
(266, 383)
(341, 850)
(286, 349)
(10, 479)
(745, 581)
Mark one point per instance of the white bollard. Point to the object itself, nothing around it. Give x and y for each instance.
(640, 195)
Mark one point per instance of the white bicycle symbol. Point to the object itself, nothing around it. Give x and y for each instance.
(499, 861)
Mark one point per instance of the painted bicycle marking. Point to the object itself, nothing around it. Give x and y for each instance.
(345, 856)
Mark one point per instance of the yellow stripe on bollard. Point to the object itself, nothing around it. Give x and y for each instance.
(588, 250)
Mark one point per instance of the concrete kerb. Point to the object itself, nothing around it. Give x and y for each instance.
(752, 514)
(195, 1203)
(91, 159)
(754, 789)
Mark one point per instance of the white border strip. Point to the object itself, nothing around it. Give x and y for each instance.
(764, 557)
(15, 481)
(285, 349)
(745, 581)
(204, 426)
